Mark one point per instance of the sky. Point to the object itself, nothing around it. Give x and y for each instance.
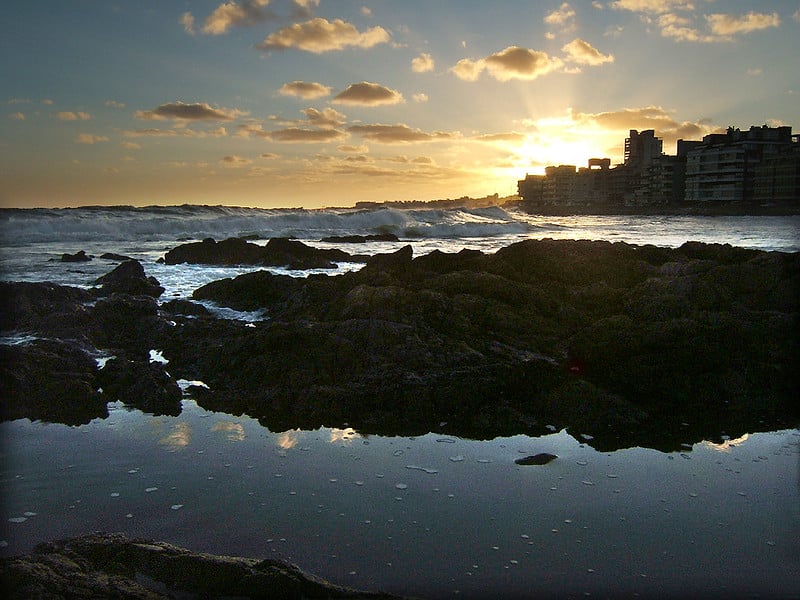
(319, 103)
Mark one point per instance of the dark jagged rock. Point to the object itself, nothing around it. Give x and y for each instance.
(622, 342)
(144, 385)
(114, 566)
(129, 278)
(115, 257)
(361, 239)
(536, 459)
(46, 309)
(79, 256)
(179, 306)
(49, 380)
(277, 252)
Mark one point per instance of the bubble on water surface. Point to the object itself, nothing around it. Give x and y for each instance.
(423, 469)
(359, 483)
(176, 506)
(17, 519)
(150, 489)
(457, 458)
(587, 482)
(401, 486)
(484, 460)
(115, 494)
(582, 463)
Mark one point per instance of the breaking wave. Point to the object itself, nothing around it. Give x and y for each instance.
(127, 223)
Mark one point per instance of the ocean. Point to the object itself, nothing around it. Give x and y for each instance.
(430, 516)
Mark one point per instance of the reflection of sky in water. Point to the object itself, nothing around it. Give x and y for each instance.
(425, 515)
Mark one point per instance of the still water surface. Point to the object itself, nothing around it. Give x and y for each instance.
(429, 516)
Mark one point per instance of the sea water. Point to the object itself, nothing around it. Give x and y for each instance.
(431, 516)
(427, 516)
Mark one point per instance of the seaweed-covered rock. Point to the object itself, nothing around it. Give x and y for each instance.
(114, 566)
(129, 278)
(144, 385)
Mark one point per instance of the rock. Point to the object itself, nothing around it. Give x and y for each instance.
(127, 323)
(46, 309)
(49, 380)
(179, 306)
(115, 257)
(536, 459)
(79, 256)
(114, 566)
(282, 252)
(361, 239)
(144, 385)
(129, 278)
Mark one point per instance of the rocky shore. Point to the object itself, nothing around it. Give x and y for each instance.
(632, 345)
(114, 566)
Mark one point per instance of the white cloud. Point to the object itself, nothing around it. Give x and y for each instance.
(235, 14)
(420, 97)
(727, 25)
(73, 116)
(511, 63)
(187, 20)
(583, 53)
(180, 111)
(88, 138)
(304, 89)
(652, 6)
(423, 63)
(368, 94)
(320, 35)
(17, 116)
(114, 104)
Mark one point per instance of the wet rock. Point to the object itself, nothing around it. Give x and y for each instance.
(45, 309)
(129, 278)
(79, 256)
(536, 459)
(129, 323)
(179, 306)
(115, 257)
(361, 239)
(114, 566)
(282, 252)
(141, 384)
(49, 380)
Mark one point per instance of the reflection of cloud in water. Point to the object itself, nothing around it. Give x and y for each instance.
(178, 438)
(288, 439)
(234, 431)
(343, 435)
(727, 444)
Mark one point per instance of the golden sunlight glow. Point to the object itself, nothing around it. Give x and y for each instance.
(178, 438)
(343, 435)
(288, 439)
(727, 444)
(234, 431)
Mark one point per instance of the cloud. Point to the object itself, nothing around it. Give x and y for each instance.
(114, 104)
(235, 161)
(320, 35)
(131, 145)
(563, 18)
(307, 90)
(88, 138)
(423, 63)
(190, 133)
(354, 149)
(583, 53)
(368, 94)
(72, 116)
(17, 116)
(511, 136)
(310, 136)
(652, 6)
(187, 20)
(47, 101)
(304, 8)
(199, 111)
(235, 14)
(398, 134)
(727, 25)
(512, 63)
(324, 118)
(420, 97)
(648, 117)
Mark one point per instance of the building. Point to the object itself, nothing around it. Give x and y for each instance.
(760, 165)
(722, 169)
